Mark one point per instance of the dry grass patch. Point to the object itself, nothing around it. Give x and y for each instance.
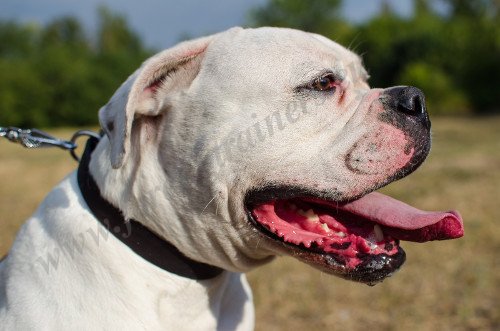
(26, 176)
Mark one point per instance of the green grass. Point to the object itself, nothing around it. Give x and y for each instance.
(446, 285)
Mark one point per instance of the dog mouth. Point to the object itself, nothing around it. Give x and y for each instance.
(357, 240)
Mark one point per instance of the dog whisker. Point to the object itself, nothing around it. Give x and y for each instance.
(258, 243)
(215, 196)
(216, 207)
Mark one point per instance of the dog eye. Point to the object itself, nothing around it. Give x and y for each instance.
(325, 83)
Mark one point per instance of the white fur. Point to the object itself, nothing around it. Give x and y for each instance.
(98, 283)
(174, 159)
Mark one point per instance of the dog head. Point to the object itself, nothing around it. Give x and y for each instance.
(258, 142)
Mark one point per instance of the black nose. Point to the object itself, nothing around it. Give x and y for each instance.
(409, 100)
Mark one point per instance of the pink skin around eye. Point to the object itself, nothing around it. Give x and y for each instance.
(339, 87)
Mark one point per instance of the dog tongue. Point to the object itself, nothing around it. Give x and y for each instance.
(405, 222)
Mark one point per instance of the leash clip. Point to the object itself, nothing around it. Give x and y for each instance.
(34, 138)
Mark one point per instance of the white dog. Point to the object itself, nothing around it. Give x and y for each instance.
(219, 154)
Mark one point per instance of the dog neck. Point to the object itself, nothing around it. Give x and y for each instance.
(136, 236)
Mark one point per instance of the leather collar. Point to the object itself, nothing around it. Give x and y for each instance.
(136, 236)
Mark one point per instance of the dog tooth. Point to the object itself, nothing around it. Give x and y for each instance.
(312, 216)
(325, 227)
(341, 234)
(309, 214)
(379, 234)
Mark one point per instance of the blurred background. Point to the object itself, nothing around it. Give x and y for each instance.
(60, 60)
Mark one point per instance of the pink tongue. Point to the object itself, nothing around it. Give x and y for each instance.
(405, 222)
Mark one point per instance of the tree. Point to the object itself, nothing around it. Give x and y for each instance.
(16, 40)
(115, 35)
(473, 8)
(64, 32)
(57, 75)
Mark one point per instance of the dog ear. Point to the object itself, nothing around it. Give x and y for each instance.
(145, 92)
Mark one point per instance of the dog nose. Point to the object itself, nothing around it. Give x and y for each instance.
(410, 101)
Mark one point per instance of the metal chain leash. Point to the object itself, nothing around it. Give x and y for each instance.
(34, 138)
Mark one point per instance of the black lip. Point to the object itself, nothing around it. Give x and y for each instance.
(280, 192)
(373, 268)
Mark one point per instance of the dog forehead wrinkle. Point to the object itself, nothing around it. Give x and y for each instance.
(244, 51)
